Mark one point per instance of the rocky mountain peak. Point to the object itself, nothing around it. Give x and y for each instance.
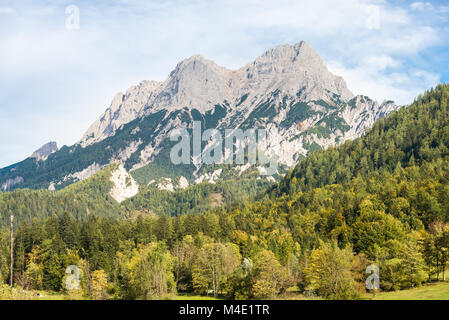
(285, 57)
(195, 60)
(123, 109)
(293, 71)
(43, 152)
(196, 82)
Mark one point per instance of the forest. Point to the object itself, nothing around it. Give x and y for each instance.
(382, 199)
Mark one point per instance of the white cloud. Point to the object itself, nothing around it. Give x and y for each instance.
(375, 77)
(421, 6)
(7, 11)
(429, 7)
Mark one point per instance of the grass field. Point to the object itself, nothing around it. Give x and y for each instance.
(433, 291)
(46, 295)
(191, 296)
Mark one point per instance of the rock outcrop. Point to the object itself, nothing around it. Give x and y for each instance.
(43, 152)
(124, 185)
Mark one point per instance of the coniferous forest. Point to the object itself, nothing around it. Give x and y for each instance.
(381, 200)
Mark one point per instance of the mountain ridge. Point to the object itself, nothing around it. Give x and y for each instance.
(227, 85)
(287, 89)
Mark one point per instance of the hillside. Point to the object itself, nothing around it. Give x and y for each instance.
(79, 200)
(103, 194)
(411, 136)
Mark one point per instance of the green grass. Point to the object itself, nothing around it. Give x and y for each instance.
(48, 295)
(191, 296)
(292, 293)
(433, 291)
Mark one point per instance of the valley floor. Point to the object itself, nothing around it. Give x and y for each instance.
(431, 291)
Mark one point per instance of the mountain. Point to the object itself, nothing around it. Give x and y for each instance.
(201, 84)
(43, 152)
(287, 89)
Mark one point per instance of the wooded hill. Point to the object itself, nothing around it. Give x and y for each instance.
(382, 199)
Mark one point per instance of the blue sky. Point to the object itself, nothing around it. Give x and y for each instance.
(54, 82)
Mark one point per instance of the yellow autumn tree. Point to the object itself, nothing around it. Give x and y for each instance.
(99, 285)
(328, 273)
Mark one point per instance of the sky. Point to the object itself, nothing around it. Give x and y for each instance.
(62, 62)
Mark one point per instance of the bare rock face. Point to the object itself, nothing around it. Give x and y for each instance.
(123, 109)
(363, 113)
(195, 83)
(83, 174)
(124, 185)
(43, 152)
(10, 183)
(292, 69)
(201, 84)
